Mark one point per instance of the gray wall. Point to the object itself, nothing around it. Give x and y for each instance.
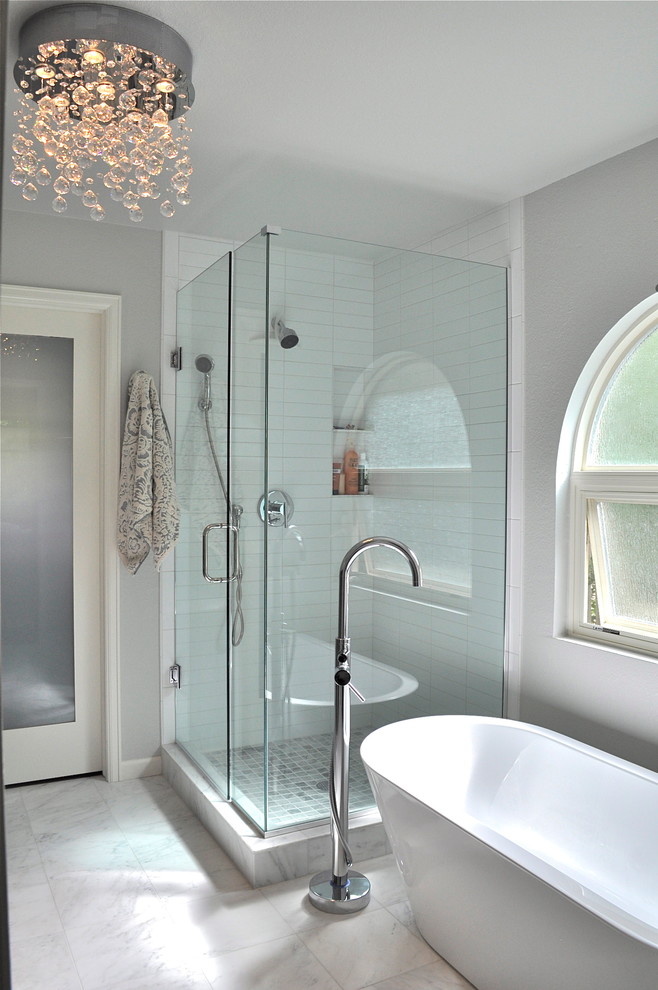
(591, 254)
(62, 253)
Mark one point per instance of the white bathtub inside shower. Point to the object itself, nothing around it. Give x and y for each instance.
(304, 675)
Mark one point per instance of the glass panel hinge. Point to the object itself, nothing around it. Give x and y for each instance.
(174, 675)
(176, 359)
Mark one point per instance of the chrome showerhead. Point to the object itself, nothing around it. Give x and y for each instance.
(204, 363)
(286, 337)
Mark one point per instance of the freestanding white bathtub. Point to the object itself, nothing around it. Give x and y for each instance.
(530, 860)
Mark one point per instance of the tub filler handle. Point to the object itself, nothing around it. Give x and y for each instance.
(344, 678)
(342, 890)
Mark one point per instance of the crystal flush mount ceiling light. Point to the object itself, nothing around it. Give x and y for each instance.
(103, 90)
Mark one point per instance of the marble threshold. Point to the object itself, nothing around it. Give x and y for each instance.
(269, 859)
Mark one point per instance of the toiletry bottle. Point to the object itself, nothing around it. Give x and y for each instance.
(351, 469)
(336, 465)
(364, 483)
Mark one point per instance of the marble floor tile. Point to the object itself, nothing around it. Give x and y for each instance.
(22, 857)
(16, 815)
(147, 954)
(196, 882)
(177, 847)
(32, 911)
(108, 897)
(402, 911)
(25, 871)
(58, 794)
(67, 854)
(367, 948)
(283, 964)
(126, 790)
(19, 833)
(13, 798)
(435, 976)
(165, 980)
(149, 806)
(117, 887)
(71, 820)
(386, 883)
(43, 962)
(211, 925)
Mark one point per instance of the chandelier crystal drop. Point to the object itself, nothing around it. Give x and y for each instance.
(102, 118)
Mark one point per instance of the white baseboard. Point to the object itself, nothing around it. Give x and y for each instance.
(132, 769)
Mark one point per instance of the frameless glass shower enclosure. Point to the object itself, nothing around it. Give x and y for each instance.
(333, 390)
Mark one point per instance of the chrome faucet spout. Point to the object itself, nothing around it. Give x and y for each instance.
(344, 574)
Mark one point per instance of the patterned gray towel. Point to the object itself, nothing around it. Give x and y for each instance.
(149, 513)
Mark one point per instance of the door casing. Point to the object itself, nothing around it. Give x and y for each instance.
(108, 310)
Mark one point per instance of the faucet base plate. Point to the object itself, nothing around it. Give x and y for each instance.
(325, 895)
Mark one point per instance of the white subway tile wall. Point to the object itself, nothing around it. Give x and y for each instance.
(450, 316)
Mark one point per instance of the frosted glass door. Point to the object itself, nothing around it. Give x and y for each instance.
(37, 515)
(51, 450)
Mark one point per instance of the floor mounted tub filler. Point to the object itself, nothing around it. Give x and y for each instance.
(530, 859)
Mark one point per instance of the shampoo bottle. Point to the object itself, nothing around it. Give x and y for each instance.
(351, 469)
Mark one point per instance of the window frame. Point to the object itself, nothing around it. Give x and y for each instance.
(616, 483)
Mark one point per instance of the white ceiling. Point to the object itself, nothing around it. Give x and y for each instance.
(390, 120)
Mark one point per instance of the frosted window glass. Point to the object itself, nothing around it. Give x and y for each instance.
(625, 427)
(629, 537)
(36, 381)
(423, 427)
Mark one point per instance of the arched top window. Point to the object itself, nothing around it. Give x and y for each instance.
(624, 431)
(613, 487)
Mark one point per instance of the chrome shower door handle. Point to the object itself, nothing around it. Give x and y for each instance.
(204, 545)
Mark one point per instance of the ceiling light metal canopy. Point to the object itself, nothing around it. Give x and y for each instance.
(100, 88)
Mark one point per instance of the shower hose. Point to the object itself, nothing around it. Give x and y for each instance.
(235, 512)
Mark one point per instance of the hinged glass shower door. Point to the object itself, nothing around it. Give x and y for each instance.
(221, 554)
(205, 554)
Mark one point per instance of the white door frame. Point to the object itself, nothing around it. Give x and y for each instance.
(108, 309)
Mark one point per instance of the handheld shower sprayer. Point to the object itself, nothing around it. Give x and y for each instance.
(204, 363)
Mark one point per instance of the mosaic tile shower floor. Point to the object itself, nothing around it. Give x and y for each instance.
(298, 771)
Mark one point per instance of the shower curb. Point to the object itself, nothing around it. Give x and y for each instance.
(270, 859)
